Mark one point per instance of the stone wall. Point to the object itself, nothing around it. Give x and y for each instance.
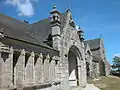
(89, 65)
(22, 69)
(69, 38)
(100, 57)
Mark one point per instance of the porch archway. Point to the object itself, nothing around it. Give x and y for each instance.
(74, 57)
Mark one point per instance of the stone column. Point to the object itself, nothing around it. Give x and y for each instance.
(97, 70)
(64, 74)
(19, 73)
(1, 71)
(94, 69)
(91, 67)
(9, 69)
(38, 69)
(6, 57)
(11, 65)
(46, 69)
(81, 73)
(58, 74)
(52, 70)
(29, 70)
(84, 73)
(79, 66)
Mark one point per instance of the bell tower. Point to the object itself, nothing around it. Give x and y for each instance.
(55, 24)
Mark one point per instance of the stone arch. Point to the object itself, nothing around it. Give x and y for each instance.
(29, 68)
(46, 68)
(16, 55)
(5, 69)
(88, 52)
(74, 57)
(38, 68)
(77, 52)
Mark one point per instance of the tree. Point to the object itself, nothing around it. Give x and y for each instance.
(116, 63)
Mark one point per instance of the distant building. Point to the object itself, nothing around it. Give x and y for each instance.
(49, 54)
(100, 66)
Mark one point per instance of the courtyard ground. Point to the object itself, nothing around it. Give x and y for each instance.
(107, 83)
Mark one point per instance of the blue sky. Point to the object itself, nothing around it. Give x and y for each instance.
(95, 17)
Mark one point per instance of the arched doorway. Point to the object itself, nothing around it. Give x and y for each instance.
(73, 56)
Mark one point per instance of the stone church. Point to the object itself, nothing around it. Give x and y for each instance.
(50, 54)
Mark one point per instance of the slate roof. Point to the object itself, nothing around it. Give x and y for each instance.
(42, 29)
(93, 43)
(19, 30)
(16, 44)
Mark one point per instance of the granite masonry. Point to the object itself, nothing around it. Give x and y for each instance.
(50, 54)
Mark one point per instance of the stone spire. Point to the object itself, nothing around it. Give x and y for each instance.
(80, 32)
(55, 24)
(55, 14)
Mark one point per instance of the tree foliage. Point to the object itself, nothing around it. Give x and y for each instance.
(116, 63)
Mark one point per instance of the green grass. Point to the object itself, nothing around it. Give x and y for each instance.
(107, 83)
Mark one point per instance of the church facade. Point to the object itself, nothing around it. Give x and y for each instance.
(50, 54)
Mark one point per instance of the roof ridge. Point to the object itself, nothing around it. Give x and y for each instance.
(38, 21)
(46, 18)
(93, 43)
(12, 18)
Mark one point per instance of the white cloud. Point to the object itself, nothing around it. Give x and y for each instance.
(24, 7)
(118, 54)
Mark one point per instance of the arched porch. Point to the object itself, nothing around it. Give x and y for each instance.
(75, 66)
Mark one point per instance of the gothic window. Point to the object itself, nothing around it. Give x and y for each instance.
(27, 55)
(35, 59)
